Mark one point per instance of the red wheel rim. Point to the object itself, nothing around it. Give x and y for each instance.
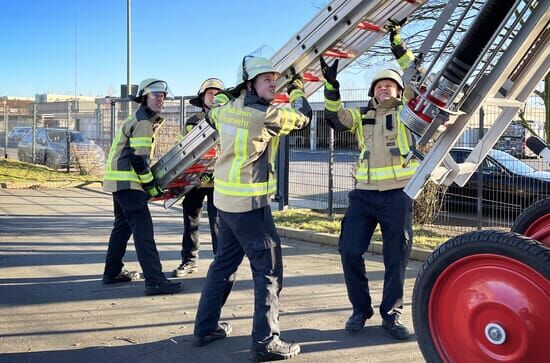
(481, 298)
(540, 230)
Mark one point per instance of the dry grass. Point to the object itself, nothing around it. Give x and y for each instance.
(318, 222)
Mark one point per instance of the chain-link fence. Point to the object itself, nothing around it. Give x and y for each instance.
(50, 133)
(509, 179)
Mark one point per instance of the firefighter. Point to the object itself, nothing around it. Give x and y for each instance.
(128, 176)
(192, 203)
(378, 197)
(250, 128)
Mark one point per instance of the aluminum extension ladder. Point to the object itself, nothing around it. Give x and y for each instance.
(505, 73)
(344, 29)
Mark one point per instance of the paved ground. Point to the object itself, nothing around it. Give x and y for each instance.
(53, 307)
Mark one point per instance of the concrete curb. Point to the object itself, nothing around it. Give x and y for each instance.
(418, 254)
(38, 185)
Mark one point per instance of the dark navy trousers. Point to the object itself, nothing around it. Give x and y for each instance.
(192, 207)
(252, 234)
(132, 217)
(391, 209)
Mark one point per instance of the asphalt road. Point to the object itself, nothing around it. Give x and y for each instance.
(54, 308)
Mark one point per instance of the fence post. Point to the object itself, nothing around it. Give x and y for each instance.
(331, 173)
(34, 114)
(480, 176)
(5, 127)
(313, 133)
(113, 118)
(282, 172)
(68, 137)
(182, 114)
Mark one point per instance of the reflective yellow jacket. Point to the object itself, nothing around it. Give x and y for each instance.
(128, 164)
(382, 139)
(249, 131)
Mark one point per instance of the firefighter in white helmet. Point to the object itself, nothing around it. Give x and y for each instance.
(378, 197)
(250, 128)
(193, 200)
(128, 176)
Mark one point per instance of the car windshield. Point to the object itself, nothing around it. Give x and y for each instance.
(511, 163)
(78, 137)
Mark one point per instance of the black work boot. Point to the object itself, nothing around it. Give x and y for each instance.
(163, 287)
(222, 331)
(276, 349)
(357, 320)
(396, 329)
(185, 268)
(123, 276)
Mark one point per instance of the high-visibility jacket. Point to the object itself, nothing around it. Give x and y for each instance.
(128, 164)
(189, 125)
(249, 132)
(382, 138)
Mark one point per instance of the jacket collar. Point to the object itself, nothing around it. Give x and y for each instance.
(145, 113)
(386, 104)
(251, 98)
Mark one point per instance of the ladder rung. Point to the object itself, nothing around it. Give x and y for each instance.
(310, 77)
(336, 53)
(365, 25)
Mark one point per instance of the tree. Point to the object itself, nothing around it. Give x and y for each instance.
(416, 30)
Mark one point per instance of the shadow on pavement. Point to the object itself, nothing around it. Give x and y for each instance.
(232, 349)
(31, 291)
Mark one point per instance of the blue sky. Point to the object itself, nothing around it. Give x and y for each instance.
(181, 41)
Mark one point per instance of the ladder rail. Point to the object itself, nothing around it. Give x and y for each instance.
(339, 32)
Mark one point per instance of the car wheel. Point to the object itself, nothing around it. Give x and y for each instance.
(484, 296)
(534, 222)
(50, 162)
(21, 156)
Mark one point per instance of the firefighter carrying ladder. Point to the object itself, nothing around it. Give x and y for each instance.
(344, 29)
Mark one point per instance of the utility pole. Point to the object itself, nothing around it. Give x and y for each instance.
(128, 45)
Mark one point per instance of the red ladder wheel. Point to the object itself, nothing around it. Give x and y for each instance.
(483, 297)
(534, 222)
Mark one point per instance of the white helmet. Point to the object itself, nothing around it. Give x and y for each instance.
(207, 84)
(149, 85)
(386, 74)
(251, 67)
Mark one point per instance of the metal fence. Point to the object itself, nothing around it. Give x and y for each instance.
(510, 179)
(321, 161)
(31, 131)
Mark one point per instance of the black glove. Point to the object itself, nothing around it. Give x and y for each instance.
(207, 178)
(295, 83)
(330, 72)
(394, 27)
(153, 189)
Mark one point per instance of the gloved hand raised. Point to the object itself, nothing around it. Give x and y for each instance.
(330, 72)
(295, 83)
(207, 178)
(153, 189)
(394, 27)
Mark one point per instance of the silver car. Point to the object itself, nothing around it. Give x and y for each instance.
(51, 148)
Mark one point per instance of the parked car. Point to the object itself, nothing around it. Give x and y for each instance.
(51, 147)
(508, 184)
(15, 135)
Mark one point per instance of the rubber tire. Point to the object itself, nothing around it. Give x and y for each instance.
(530, 215)
(513, 245)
